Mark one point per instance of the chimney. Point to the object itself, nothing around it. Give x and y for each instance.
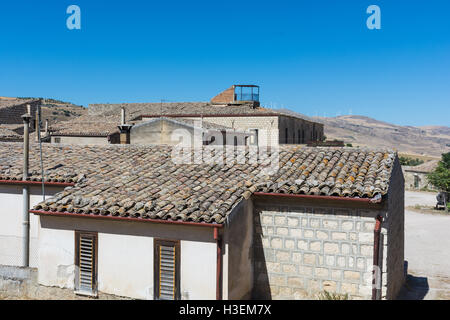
(122, 118)
(124, 128)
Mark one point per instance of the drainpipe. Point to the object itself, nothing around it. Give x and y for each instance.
(25, 191)
(376, 273)
(219, 264)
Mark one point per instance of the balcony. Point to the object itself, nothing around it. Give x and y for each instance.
(246, 93)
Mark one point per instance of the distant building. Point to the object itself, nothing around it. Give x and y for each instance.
(237, 108)
(416, 176)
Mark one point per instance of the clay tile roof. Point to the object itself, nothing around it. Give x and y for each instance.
(142, 181)
(87, 126)
(180, 109)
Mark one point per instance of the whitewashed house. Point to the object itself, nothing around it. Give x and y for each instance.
(137, 224)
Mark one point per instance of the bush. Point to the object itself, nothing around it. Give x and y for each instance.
(440, 177)
(325, 295)
(405, 161)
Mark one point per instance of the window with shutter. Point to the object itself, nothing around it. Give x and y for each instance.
(86, 262)
(166, 270)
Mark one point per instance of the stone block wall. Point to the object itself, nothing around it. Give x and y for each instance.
(301, 251)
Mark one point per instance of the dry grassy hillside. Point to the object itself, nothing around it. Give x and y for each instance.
(365, 131)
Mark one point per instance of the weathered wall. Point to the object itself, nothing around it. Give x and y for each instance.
(125, 256)
(11, 201)
(394, 277)
(302, 248)
(21, 283)
(160, 132)
(409, 177)
(298, 131)
(268, 126)
(239, 252)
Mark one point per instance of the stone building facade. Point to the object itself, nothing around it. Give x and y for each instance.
(304, 246)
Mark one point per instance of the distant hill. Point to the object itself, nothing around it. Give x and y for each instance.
(365, 131)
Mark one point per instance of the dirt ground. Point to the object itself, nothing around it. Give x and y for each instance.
(427, 250)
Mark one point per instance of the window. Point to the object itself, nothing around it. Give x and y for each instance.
(86, 262)
(299, 139)
(254, 137)
(57, 140)
(167, 270)
(286, 135)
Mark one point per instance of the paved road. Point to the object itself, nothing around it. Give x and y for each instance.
(427, 250)
(420, 198)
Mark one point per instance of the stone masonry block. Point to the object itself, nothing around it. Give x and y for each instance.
(293, 222)
(309, 258)
(330, 224)
(289, 244)
(338, 236)
(331, 248)
(283, 256)
(296, 233)
(280, 221)
(308, 233)
(322, 273)
(296, 257)
(315, 245)
(282, 231)
(352, 275)
(322, 235)
(347, 225)
(289, 268)
(302, 245)
(276, 243)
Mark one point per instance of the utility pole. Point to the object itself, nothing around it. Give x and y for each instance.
(25, 192)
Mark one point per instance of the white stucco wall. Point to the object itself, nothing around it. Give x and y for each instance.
(125, 256)
(11, 207)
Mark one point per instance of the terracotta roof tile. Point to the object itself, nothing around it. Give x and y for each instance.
(143, 182)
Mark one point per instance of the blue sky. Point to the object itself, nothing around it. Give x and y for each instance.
(314, 57)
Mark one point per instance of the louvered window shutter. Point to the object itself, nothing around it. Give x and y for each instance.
(86, 262)
(167, 272)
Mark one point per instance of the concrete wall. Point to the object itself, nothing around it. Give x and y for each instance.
(238, 258)
(125, 256)
(268, 126)
(11, 200)
(81, 140)
(160, 132)
(304, 247)
(393, 268)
